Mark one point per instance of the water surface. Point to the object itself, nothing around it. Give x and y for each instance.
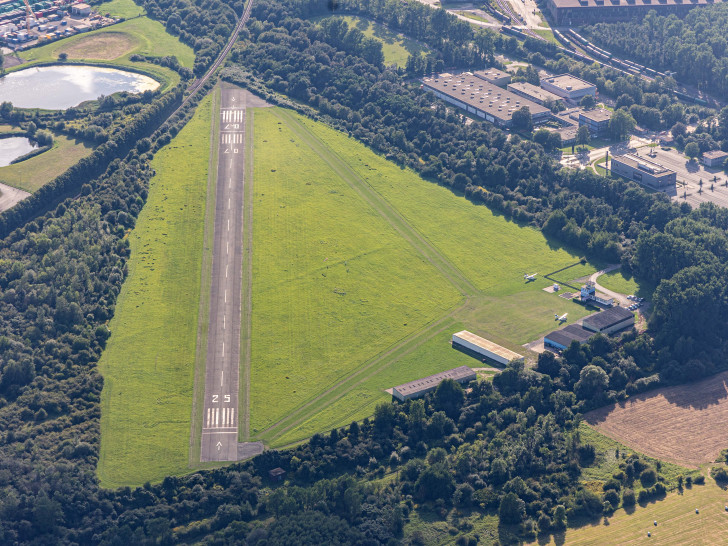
(63, 86)
(13, 147)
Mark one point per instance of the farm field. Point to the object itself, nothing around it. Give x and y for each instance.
(395, 47)
(677, 522)
(114, 45)
(148, 365)
(690, 429)
(31, 174)
(317, 191)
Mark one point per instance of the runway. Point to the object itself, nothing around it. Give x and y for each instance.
(221, 405)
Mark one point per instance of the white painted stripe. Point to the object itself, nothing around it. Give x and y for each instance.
(217, 416)
(208, 417)
(223, 348)
(220, 432)
(222, 374)
(224, 417)
(232, 417)
(225, 296)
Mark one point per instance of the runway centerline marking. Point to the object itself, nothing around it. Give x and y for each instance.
(222, 374)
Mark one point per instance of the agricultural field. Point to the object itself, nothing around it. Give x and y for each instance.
(114, 45)
(148, 365)
(31, 174)
(396, 47)
(340, 223)
(677, 522)
(684, 424)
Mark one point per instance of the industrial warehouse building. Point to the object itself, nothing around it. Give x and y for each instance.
(596, 120)
(420, 387)
(569, 87)
(81, 10)
(580, 12)
(714, 158)
(483, 99)
(609, 321)
(476, 345)
(561, 339)
(641, 170)
(494, 76)
(533, 93)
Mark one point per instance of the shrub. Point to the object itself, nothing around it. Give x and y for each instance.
(648, 477)
(628, 498)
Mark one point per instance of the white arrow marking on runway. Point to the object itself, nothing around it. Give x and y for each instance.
(219, 445)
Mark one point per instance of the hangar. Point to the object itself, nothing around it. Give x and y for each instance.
(561, 339)
(420, 387)
(482, 347)
(609, 321)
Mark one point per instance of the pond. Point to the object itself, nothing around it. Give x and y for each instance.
(63, 86)
(13, 147)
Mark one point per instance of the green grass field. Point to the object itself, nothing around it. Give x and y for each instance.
(387, 300)
(31, 174)
(114, 45)
(333, 282)
(396, 47)
(125, 9)
(148, 365)
(615, 280)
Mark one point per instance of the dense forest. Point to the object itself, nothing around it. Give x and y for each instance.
(509, 448)
(694, 47)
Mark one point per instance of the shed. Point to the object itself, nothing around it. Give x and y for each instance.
(561, 339)
(81, 10)
(277, 474)
(714, 158)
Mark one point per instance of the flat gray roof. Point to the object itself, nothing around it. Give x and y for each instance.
(641, 164)
(608, 318)
(597, 114)
(484, 96)
(572, 332)
(533, 91)
(715, 154)
(492, 74)
(562, 81)
(462, 373)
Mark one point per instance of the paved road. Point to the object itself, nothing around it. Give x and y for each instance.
(621, 298)
(221, 407)
(9, 196)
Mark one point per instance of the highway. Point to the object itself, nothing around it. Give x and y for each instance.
(221, 406)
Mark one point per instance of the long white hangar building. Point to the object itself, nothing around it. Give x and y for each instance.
(483, 99)
(482, 347)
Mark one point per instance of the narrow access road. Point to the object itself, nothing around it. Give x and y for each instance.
(621, 298)
(221, 405)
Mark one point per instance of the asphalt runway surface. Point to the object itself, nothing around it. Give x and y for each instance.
(221, 405)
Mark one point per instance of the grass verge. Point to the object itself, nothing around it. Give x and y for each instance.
(31, 174)
(148, 366)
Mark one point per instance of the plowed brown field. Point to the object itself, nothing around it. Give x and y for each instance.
(686, 424)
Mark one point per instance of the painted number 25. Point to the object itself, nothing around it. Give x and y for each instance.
(216, 398)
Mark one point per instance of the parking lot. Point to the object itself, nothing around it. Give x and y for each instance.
(689, 175)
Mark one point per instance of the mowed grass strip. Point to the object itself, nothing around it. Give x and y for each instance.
(31, 174)
(333, 282)
(148, 366)
(491, 251)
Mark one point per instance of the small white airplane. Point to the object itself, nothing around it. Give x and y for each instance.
(531, 277)
(561, 318)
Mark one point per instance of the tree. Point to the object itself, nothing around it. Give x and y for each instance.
(621, 124)
(588, 102)
(63, 56)
(592, 383)
(522, 120)
(449, 397)
(692, 150)
(512, 509)
(679, 130)
(583, 137)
